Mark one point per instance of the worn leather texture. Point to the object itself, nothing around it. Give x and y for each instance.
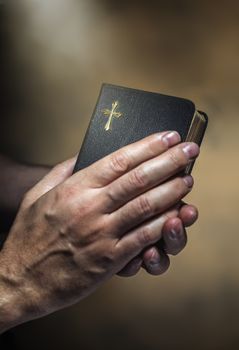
(142, 113)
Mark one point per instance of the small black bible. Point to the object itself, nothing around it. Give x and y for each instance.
(125, 115)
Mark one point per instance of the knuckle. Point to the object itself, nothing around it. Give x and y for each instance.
(79, 236)
(145, 236)
(143, 206)
(106, 255)
(85, 239)
(84, 226)
(179, 188)
(154, 143)
(138, 178)
(176, 158)
(119, 162)
(61, 197)
(51, 216)
(111, 195)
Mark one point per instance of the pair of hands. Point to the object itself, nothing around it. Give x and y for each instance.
(72, 233)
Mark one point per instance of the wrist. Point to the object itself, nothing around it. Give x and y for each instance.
(16, 179)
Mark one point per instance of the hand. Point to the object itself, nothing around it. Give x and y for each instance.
(69, 240)
(155, 259)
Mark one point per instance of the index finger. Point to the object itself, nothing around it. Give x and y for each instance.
(114, 165)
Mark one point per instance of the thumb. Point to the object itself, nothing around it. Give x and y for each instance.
(56, 176)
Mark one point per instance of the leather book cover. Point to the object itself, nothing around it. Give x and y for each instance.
(125, 115)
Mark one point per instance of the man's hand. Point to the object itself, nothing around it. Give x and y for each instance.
(72, 233)
(155, 259)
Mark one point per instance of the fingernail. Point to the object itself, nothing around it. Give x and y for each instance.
(153, 265)
(171, 138)
(188, 181)
(175, 232)
(191, 150)
(154, 262)
(193, 213)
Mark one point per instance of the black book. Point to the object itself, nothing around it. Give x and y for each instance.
(124, 115)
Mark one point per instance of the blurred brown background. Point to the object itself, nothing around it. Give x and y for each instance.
(55, 55)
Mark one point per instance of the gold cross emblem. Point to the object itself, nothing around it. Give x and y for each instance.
(111, 114)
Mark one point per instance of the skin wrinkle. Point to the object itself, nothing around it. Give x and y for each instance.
(62, 246)
(164, 192)
(142, 177)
